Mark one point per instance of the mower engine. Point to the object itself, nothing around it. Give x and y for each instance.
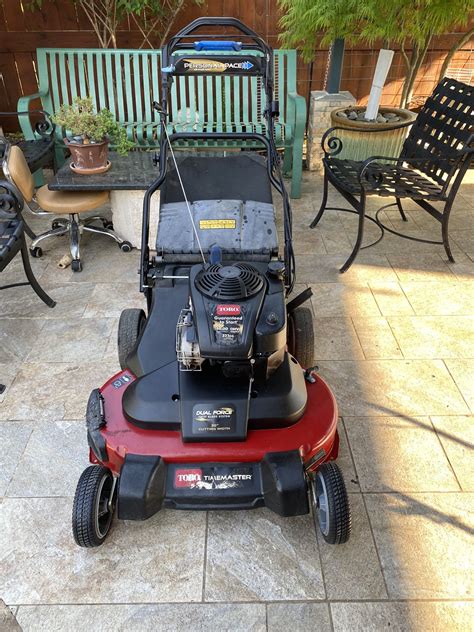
(236, 318)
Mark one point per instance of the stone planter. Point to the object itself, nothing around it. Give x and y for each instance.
(127, 213)
(358, 146)
(90, 158)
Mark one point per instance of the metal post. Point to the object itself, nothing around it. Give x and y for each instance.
(335, 66)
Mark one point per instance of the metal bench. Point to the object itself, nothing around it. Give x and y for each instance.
(434, 159)
(127, 81)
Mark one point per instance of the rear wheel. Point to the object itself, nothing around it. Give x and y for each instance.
(301, 336)
(330, 504)
(131, 325)
(94, 504)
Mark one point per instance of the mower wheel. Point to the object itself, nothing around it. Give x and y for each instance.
(131, 324)
(94, 505)
(301, 336)
(330, 504)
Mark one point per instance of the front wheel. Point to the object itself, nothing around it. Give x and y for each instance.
(330, 503)
(94, 505)
(301, 336)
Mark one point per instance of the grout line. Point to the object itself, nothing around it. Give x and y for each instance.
(351, 318)
(445, 453)
(456, 384)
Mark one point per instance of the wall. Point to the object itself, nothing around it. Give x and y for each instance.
(60, 24)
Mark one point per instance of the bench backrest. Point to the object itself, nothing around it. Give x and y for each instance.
(127, 81)
(444, 125)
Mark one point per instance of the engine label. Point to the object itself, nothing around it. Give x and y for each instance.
(228, 324)
(209, 418)
(212, 224)
(213, 477)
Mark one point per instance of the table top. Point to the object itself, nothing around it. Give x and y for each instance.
(135, 171)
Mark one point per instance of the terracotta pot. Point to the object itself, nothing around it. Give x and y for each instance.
(359, 146)
(89, 158)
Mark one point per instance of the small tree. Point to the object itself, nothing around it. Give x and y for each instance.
(409, 23)
(152, 18)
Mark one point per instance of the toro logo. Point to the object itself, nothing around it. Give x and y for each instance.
(228, 310)
(187, 478)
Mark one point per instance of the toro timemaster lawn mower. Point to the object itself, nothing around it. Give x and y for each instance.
(217, 405)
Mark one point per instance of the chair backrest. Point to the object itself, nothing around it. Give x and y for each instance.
(220, 101)
(19, 172)
(444, 125)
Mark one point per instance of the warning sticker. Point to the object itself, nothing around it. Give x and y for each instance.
(209, 418)
(209, 224)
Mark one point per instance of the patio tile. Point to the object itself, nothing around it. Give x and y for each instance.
(463, 268)
(61, 340)
(8, 373)
(17, 336)
(335, 339)
(325, 269)
(144, 617)
(282, 617)
(457, 436)
(402, 616)
(427, 267)
(307, 242)
(70, 300)
(104, 263)
(53, 460)
(13, 439)
(397, 454)
(14, 272)
(440, 298)
(424, 543)
(376, 338)
(390, 298)
(147, 560)
(59, 391)
(462, 372)
(331, 299)
(108, 300)
(352, 570)
(463, 238)
(435, 336)
(393, 387)
(260, 556)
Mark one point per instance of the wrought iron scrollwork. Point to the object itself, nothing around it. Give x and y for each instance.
(45, 126)
(331, 145)
(10, 202)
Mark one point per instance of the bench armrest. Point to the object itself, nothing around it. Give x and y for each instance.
(24, 106)
(296, 113)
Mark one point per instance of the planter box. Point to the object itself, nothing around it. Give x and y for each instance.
(358, 146)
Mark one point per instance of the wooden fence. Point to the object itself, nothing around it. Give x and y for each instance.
(60, 24)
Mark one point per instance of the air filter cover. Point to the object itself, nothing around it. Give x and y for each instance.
(229, 282)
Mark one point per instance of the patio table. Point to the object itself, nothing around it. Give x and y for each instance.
(128, 177)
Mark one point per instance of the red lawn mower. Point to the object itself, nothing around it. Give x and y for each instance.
(217, 405)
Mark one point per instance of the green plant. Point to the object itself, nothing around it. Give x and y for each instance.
(409, 23)
(80, 119)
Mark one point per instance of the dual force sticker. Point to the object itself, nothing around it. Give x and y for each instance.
(209, 418)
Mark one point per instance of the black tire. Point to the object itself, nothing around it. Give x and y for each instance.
(301, 336)
(126, 246)
(131, 324)
(107, 224)
(93, 507)
(36, 252)
(334, 521)
(76, 265)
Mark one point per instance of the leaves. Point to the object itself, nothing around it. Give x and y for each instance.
(304, 22)
(80, 119)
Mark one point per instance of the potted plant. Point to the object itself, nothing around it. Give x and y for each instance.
(89, 134)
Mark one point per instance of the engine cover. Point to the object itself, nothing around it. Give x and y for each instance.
(226, 301)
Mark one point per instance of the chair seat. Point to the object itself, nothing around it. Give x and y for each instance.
(389, 180)
(11, 231)
(65, 202)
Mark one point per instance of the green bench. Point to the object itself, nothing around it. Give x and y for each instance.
(127, 81)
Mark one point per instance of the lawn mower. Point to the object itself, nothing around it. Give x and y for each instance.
(217, 404)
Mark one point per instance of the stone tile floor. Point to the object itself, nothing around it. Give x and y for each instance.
(394, 338)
